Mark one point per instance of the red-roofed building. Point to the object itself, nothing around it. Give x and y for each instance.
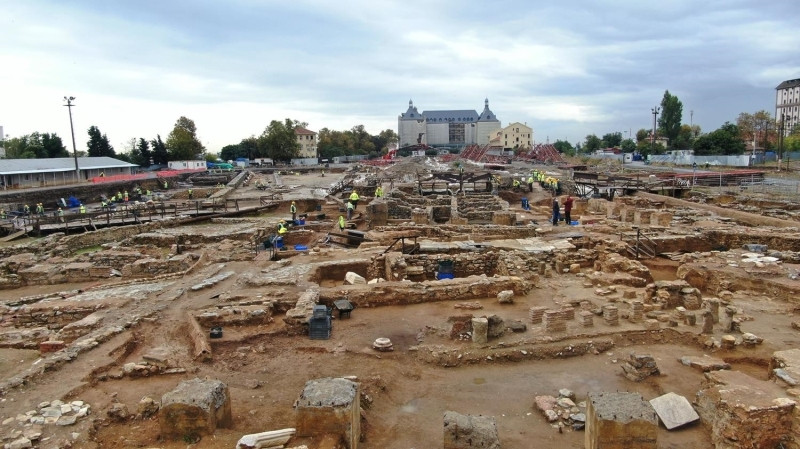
(308, 142)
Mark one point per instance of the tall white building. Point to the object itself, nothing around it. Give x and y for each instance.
(448, 127)
(787, 104)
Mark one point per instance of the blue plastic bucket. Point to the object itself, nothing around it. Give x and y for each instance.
(301, 247)
(279, 242)
(574, 223)
(441, 276)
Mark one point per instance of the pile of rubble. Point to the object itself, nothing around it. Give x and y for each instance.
(49, 412)
(562, 411)
(640, 367)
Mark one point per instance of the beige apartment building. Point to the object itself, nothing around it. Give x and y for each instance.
(308, 142)
(515, 135)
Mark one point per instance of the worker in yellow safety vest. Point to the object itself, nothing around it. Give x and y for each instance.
(293, 210)
(378, 192)
(282, 228)
(530, 183)
(82, 209)
(342, 223)
(354, 199)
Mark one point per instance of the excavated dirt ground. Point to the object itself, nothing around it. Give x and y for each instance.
(266, 370)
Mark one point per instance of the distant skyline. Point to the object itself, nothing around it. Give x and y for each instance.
(565, 69)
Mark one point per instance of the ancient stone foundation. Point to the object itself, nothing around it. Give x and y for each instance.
(195, 407)
(330, 406)
(470, 432)
(745, 412)
(620, 421)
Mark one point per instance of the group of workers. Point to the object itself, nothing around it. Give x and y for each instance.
(350, 207)
(544, 180)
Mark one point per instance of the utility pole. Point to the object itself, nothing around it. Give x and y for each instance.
(655, 112)
(69, 106)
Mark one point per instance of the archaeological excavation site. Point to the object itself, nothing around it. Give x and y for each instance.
(422, 304)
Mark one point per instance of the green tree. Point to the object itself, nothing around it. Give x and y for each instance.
(385, 138)
(593, 143)
(278, 141)
(684, 139)
(249, 148)
(140, 154)
(611, 140)
(564, 147)
(628, 146)
(35, 146)
(642, 135)
(791, 143)
(160, 154)
(230, 152)
(182, 142)
(53, 146)
(669, 124)
(645, 147)
(98, 144)
(725, 140)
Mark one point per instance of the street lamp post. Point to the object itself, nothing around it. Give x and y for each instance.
(69, 106)
(655, 112)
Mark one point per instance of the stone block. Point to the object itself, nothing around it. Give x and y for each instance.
(195, 407)
(470, 432)
(674, 410)
(745, 412)
(660, 219)
(620, 421)
(480, 330)
(652, 325)
(642, 216)
(265, 440)
(330, 406)
(506, 297)
(705, 363)
(353, 278)
(788, 361)
(497, 327)
(420, 216)
(728, 342)
(506, 218)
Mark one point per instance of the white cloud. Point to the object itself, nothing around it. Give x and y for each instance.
(573, 69)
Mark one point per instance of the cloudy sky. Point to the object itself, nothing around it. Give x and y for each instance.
(567, 68)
